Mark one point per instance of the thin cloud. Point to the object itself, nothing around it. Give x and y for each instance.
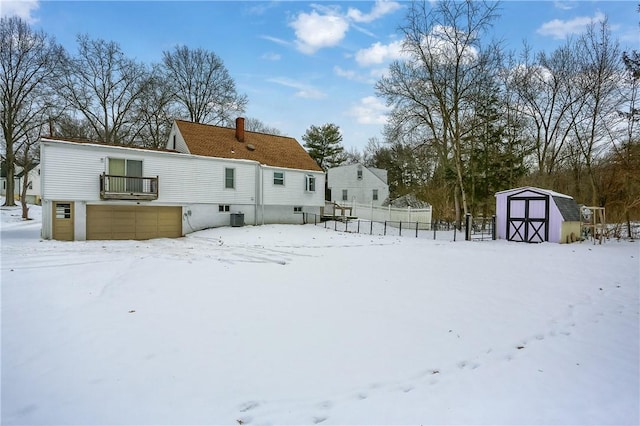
(270, 56)
(276, 40)
(22, 9)
(303, 90)
(380, 8)
(560, 29)
(370, 110)
(353, 75)
(565, 5)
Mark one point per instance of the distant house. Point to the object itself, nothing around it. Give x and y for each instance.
(207, 176)
(33, 182)
(355, 183)
(535, 215)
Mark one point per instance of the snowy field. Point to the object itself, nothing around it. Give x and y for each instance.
(304, 325)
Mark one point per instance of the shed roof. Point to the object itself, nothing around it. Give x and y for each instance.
(221, 142)
(568, 208)
(533, 188)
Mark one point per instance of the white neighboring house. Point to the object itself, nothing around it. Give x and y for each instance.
(33, 188)
(208, 176)
(356, 183)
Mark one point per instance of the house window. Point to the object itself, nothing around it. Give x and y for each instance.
(297, 209)
(359, 174)
(229, 178)
(310, 183)
(278, 178)
(224, 208)
(375, 195)
(345, 196)
(30, 186)
(122, 171)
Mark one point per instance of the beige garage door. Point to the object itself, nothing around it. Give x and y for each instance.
(133, 222)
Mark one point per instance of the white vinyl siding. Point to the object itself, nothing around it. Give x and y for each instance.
(182, 178)
(294, 192)
(360, 186)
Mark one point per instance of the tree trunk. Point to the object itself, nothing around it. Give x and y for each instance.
(23, 195)
(10, 193)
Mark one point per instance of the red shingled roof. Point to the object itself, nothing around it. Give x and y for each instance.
(270, 150)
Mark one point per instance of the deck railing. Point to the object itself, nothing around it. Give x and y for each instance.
(114, 187)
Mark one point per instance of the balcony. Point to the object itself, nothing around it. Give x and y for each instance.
(128, 188)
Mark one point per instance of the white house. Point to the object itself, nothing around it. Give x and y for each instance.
(355, 183)
(33, 182)
(207, 176)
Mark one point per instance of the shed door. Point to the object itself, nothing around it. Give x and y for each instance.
(528, 219)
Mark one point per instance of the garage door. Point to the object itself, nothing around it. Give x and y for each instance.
(133, 222)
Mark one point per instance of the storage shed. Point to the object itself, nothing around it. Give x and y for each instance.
(534, 215)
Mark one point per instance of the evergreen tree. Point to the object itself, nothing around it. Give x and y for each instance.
(324, 144)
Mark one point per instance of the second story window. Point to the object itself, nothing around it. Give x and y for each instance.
(345, 195)
(375, 195)
(359, 174)
(278, 178)
(310, 183)
(229, 178)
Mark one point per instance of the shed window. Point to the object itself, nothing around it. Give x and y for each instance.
(229, 178)
(310, 183)
(278, 178)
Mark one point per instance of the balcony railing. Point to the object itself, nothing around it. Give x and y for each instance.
(128, 188)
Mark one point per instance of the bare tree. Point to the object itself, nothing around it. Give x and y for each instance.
(255, 125)
(105, 87)
(203, 86)
(28, 60)
(27, 157)
(548, 91)
(157, 110)
(431, 92)
(595, 115)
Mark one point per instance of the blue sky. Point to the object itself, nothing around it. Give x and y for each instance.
(303, 63)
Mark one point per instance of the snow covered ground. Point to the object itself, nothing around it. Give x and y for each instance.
(305, 325)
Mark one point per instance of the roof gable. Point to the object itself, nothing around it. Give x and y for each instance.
(271, 150)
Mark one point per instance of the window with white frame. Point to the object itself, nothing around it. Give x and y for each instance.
(359, 174)
(278, 178)
(375, 195)
(345, 195)
(229, 178)
(297, 209)
(310, 183)
(224, 207)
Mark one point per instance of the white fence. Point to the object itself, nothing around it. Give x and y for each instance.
(393, 214)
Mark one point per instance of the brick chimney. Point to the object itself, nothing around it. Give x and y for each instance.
(240, 129)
